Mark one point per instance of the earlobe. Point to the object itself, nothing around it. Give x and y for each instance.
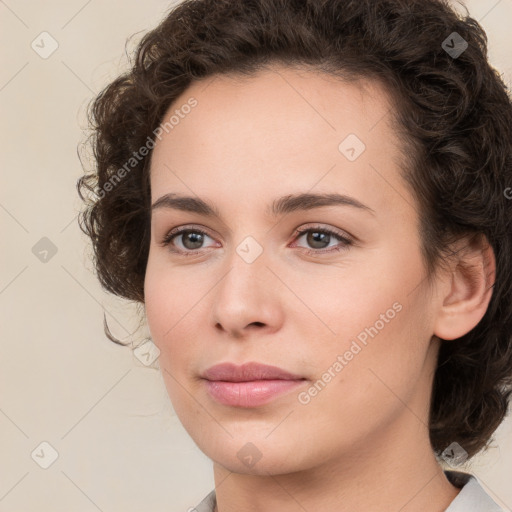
(469, 291)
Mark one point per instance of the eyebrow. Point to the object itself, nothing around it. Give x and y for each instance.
(280, 206)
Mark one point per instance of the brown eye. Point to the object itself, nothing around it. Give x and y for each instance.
(318, 239)
(192, 239)
(185, 241)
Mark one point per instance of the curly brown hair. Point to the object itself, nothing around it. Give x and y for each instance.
(452, 109)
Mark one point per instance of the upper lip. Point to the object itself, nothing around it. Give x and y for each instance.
(247, 372)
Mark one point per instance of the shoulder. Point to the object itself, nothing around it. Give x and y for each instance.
(207, 504)
(472, 497)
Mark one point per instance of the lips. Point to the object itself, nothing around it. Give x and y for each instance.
(249, 385)
(252, 371)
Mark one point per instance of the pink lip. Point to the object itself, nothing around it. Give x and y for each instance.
(249, 385)
(247, 372)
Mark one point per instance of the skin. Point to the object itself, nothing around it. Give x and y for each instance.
(362, 442)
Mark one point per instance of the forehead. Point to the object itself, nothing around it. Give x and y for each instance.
(282, 128)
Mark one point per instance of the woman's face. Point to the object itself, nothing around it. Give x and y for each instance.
(353, 319)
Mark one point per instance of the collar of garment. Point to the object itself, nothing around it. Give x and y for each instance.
(471, 498)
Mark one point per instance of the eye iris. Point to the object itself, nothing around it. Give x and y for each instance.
(194, 237)
(314, 237)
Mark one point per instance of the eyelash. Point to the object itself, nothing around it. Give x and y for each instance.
(298, 233)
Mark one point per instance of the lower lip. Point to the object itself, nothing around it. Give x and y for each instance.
(249, 394)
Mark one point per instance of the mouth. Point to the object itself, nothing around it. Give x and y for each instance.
(249, 385)
(250, 393)
(247, 372)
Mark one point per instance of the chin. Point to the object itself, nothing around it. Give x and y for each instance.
(258, 457)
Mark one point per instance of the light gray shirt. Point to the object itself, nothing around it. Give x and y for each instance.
(471, 498)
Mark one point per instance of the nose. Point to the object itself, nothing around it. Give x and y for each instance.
(248, 298)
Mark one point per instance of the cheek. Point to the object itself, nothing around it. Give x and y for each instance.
(156, 304)
(360, 295)
(365, 374)
(176, 303)
(169, 296)
(372, 325)
(166, 319)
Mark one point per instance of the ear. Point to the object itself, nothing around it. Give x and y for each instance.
(467, 291)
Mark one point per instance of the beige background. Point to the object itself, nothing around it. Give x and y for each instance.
(119, 445)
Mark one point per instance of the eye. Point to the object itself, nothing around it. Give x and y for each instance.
(191, 239)
(319, 238)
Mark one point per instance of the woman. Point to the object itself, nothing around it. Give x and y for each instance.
(309, 198)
